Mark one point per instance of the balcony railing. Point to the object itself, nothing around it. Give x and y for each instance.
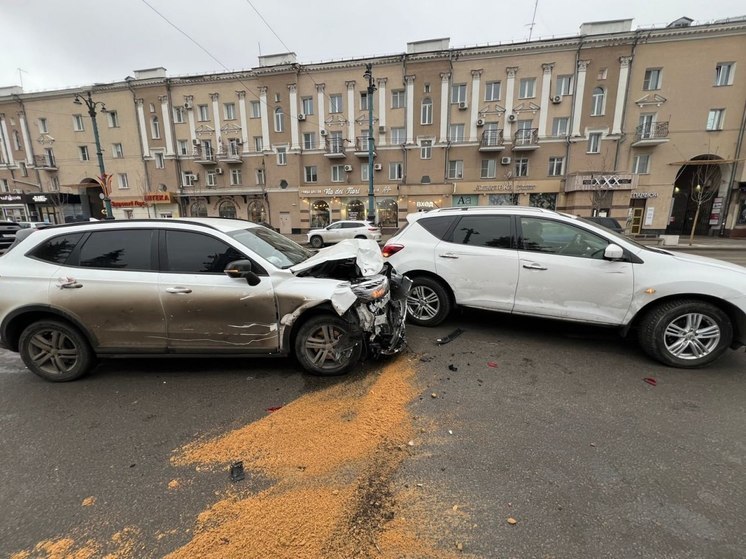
(526, 138)
(335, 147)
(492, 140)
(361, 146)
(45, 161)
(204, 156)
(230, 153)
(650, 134)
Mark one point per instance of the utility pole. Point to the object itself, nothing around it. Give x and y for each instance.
(371, 89)
(91, 104)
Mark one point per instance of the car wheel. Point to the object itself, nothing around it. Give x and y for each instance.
(316, 241)
(428, 303)
(55, 351)
(685, 333)
(324, 345)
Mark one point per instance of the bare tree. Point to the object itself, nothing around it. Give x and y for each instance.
(705, 185)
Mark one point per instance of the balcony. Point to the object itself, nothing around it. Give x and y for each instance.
(492, 140)
(526, 139)
(361, 146)
(335, 149)
(204, 156)
(651, 134)
(45, 162)
(230, 153)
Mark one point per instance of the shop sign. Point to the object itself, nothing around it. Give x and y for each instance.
(644, 195)
(345, 191)
(504, 187)
(127, 203)
(160, 198)
(717, 208)
(11, 198)
(602, 182)
(466, 200)
(425, 204)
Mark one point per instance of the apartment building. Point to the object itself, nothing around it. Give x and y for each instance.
(645, 126)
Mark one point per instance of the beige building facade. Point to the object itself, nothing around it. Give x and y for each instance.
(646, 126)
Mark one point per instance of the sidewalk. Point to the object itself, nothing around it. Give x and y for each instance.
(699, 243)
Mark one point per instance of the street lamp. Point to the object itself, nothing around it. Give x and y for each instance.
(368, 75)
(91, 104)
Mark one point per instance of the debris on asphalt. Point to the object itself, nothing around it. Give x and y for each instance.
(459, 546)
(450, 432)
(427, 358)
(275, 408)
(455, 507)
(411, 443)
(237, 473)
(450, 337)
(492, 364)
(174, 484)
(434, 395)
(88, 501)
(512, 521)
(452, 367)
(593, 444)
(650, 380)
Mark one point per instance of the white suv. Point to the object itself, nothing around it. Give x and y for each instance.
(340, 230)
(687, 310)
(194, 287)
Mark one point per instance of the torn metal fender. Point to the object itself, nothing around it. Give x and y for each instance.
(366, 253)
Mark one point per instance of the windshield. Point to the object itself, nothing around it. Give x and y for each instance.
(273, 247)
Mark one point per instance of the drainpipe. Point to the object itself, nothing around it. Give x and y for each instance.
(572, 116)
(734, 166)
(139, 135)
(626, 96)
(177, 161)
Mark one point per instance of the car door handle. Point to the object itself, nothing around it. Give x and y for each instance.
(178, 290)
(71, 285)
(448, 255)
(534, 266)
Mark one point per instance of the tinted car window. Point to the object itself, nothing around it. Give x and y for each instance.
(543, 235)
(335, 226)
(58, 249)
(194, 253)
(120, 250)
(436, 226)
(351, 225)
(483, 231)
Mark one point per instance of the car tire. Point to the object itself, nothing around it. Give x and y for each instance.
(428, 302)
(318, 343)
(316, 241)
(686, 333)
(55, 351)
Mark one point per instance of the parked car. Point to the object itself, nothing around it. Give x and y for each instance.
(194, 287)
(608, 222)
(34, 224)
(8, 231)
(686, 310)
(339, 230)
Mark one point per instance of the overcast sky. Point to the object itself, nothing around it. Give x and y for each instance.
(64, 43)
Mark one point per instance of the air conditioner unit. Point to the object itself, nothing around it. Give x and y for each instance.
(505, 161)
(377, 166)
(557, 99)
(511, 118)
(323, 132)
(218, 171)
(301, 116)
(348, 168)
(382, 129)
(195, 142)
(463, 105)
(195, 178)
(187, 104)
(480, 122)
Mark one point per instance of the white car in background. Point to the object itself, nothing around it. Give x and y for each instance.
(340, 230)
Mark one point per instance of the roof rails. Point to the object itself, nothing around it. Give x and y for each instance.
(128, 221)
(483, 208)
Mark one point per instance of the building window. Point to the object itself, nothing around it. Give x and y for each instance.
(364, 172)
(113, 118)
(210, 178)
(310, 173)
(256, 109)
(652, 79)
(363, 100)
(16, 139)
(715, 119)
(235, 177)
(117, 151)
(489, 169)
(258, 143)
(78, 125)
(55, 184)
(182, 147)
(307, 103)
(641, 164)
(189, 178)
(560, 126)
(594, 142)
(198, 209)
(398, 136)
(426, 114)
(426, 149)
(155, 128)
(456, 133)
(458, 93)
(564, 85)
(724, 73)
(261, 178)
(122, 181)
(335, 103)
(396, 171)
(178, 115)
(527, 88)
(282, 155)
(43, 126)
(521, 167)
(603, 73)
(338, 173)
(227, 209)
(229, 111)
(279, 120)
(204, 114)
(492, 91)
(598, 101)
(151, 107)
(160, 161)
(24, 168)
(309, 140)
(398, 99)
(83, 150)
(277, 97)
(456, 169)
(556, 166)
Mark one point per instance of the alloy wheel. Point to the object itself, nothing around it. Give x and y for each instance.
(53, 351)
(422, 302)
(325, 347)
(692, 336)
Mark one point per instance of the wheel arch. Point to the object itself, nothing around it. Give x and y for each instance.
(17, 321)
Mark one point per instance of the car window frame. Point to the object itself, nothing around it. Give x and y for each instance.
(448, 237)
(573, 226)
(30, 252)
(74, 259)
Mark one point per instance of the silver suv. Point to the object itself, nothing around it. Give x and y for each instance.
(686, 310)
(198, 287)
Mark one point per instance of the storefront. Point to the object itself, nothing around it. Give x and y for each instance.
(612, 195)
(540, 194)
(151, 205)
(13, 207)
(252, 207)
(322, 205)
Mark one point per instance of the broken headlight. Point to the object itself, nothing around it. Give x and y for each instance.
(371, 289)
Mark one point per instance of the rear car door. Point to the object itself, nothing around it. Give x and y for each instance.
(563, 274)
(478, 260)
(110, 285)
(204, 308)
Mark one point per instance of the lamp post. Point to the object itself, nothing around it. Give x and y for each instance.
(371, 88)
(91, 104)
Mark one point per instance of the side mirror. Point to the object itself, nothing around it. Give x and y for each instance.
(242, 269)
(613, 252)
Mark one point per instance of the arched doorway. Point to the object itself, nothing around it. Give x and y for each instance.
(227, 209)
(388, 212)
(320, 215)
(696, 185)
(94, 196)
(257, 211)
(198, 209)
(355, 209)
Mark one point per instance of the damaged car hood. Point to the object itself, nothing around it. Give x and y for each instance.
(365, 253)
